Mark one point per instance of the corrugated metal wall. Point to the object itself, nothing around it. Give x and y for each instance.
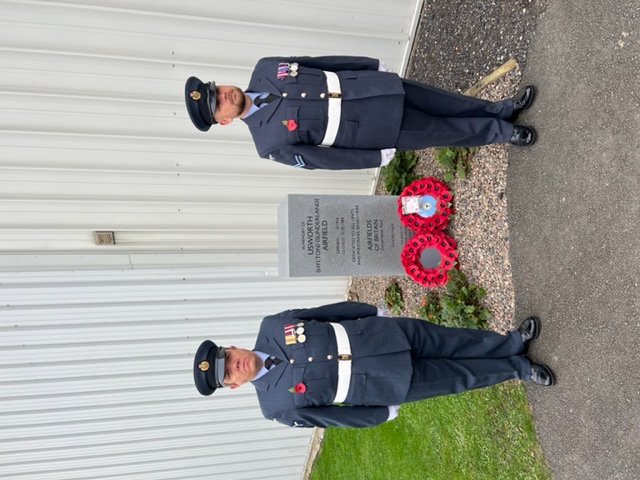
(96, 343)
(96, 382)
(95, 136)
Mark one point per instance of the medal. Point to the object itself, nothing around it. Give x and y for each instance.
(287, 70)
(283, 70)
(302, 338)
(300, 330)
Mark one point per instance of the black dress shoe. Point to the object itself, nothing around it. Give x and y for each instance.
(529, 329)
(522, 100)
(523, 136)
(542, 375)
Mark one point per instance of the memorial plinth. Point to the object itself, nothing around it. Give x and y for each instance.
(340, 235)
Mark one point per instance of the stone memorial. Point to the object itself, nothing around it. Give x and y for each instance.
(341, 235)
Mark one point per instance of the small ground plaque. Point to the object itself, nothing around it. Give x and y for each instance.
(340, 235)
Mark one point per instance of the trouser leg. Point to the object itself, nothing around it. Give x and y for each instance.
(436, 118)
(420, 130)
(439, 376)
(439, 103)
(429, 340)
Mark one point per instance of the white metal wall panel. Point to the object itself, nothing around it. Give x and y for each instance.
(94, 134)
(96, 343)
(96, 382)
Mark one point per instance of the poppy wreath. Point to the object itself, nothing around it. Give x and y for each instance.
(436, 189)
(410, 257)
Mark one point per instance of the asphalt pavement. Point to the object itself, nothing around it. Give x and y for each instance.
(574, 208)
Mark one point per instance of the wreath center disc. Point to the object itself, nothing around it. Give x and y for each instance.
(430, 257)
(427, 206)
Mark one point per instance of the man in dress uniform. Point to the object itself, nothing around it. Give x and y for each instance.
(343, 365)
(340, 112)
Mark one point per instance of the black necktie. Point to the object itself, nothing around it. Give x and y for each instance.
(271, 361)
(259, 101)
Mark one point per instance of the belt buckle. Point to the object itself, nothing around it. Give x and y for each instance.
(344, 356)
(335, 95)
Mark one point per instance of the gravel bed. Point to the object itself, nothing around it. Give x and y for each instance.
(479, 227)
(458, 43)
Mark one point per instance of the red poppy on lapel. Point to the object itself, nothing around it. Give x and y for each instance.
(290, 124)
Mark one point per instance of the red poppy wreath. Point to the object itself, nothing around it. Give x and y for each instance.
(437, 242)
(434, 199)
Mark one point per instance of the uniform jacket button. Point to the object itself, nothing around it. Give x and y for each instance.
(303, 94)
(329, 357)
(291, 360)
(310, 359)
(322, 95)
(285, 94)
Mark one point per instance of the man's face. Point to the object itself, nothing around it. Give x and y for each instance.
(241, 366)
(230, 103)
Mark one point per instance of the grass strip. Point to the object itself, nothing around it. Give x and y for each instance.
(481, 434)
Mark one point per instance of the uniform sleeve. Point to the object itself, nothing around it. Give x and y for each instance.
(332, 63)
(311, 157)
(333, 416)
(335, 312)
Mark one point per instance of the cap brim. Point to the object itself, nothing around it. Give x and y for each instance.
(219, 366)
(213, 101)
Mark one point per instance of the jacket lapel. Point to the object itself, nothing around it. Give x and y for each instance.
(263, 115)
(263, 85)
(272, 377)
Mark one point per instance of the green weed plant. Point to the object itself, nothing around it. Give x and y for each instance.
(458, 306)
(456, 161)
(393, 298)
(398, 174)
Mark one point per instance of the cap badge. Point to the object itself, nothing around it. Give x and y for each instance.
(195, 95)
(204, 365)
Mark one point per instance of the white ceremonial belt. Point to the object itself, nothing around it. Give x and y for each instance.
(344, 362)
(335, 109)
